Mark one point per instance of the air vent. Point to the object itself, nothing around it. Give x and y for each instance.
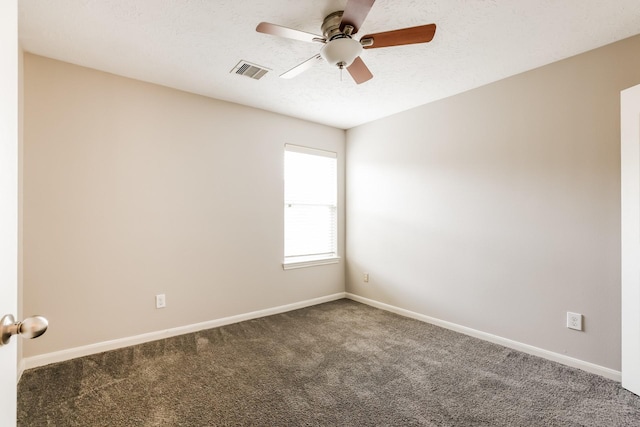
(248, 69)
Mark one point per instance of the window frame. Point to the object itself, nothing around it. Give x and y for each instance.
(301, 261)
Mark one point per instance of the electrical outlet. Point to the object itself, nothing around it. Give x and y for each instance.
(161, 301)
(365, 277)
(574, 321)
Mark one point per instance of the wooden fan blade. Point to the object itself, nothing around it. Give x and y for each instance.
(359, 71)
(412, 35)
(355, 14)
(289, 33)
(300, 68)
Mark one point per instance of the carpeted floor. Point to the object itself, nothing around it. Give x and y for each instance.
(335, 364)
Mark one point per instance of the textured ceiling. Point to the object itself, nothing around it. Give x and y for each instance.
(193, 45)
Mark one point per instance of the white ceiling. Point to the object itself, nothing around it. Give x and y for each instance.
(193, 45)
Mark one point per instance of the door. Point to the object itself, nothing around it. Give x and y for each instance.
(8, 200)
(630, 180)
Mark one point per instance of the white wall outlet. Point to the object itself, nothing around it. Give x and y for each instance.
(574, 321)
(365, 277)
(161, 301)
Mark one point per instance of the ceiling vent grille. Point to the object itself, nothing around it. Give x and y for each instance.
(248, 69)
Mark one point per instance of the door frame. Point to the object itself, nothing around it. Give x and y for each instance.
(9, 143)
(630, 236)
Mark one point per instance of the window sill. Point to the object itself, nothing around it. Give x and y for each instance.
(291, 265)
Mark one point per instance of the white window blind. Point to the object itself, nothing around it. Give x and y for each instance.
(310, 205)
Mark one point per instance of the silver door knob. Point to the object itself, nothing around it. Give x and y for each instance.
(31, 327)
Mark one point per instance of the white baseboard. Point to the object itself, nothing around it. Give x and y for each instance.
(525, 348)
(86, 350)
(72, 353)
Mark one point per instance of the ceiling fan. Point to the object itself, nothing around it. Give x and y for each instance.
(340, 48)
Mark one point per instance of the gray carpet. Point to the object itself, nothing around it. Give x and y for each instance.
(335, 364)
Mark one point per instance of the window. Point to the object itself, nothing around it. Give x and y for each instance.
(310, 207)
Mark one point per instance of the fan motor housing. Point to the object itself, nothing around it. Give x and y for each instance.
(331, 25)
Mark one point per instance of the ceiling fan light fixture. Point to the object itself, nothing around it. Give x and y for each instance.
(341, 52)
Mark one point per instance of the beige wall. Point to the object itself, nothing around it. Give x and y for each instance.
(499, 209)
(132, 189)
